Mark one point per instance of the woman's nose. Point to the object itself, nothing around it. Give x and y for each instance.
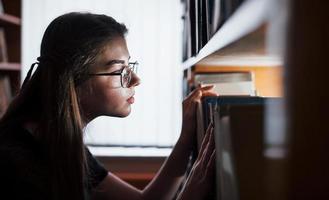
(135, 80)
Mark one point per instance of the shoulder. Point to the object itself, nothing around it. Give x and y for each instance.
(17, 143)
(96, 171)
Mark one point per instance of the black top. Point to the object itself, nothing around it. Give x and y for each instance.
(23, 173)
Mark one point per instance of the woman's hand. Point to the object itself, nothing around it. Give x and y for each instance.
(200, 181)
(190, 105)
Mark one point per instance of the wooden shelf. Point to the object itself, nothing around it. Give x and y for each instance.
(240, 41)
(10, 66)
(7, 19)
(251, 50)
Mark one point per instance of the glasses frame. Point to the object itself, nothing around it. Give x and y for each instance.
(131, 68)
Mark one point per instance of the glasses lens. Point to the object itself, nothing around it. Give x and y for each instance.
(126, 76)
(133, 66)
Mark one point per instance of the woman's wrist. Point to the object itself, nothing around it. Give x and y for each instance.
(186, 140)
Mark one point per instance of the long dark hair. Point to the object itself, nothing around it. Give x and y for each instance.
(69, 47)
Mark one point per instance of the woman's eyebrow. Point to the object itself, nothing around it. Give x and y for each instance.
(112, 62)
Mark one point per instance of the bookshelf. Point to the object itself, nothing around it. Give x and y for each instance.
(244, 42)
(299, 165)
(10, 50)
(250, 39)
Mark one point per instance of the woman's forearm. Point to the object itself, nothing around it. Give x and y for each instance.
(165, 184)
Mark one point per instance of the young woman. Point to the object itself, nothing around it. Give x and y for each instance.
(84, 72)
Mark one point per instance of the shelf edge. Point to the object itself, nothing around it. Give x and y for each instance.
(10, 66)
(10, 19)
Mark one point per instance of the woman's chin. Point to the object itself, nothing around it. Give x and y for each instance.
(123, 114)
(118, 113)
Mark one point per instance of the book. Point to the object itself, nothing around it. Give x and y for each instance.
(3, 46)
(200, 125)
(194, 19)
(206, 109)
(5, 93)
(242, 133)
(240, 139)
(203, 23)
(228, 83)
(218, 111)
(186, 30)
(226, 181)
(217, 16)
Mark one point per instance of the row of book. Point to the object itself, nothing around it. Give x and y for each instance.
(202, 19)
(242, 167)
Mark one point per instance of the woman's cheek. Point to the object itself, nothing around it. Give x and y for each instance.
(116, 97)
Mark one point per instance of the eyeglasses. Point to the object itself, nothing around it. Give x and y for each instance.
(125, 73)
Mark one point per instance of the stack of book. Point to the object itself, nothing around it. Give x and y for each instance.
(228, 83)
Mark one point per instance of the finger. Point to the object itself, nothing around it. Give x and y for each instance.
(210, 93)
(212, 139)
(206, 137)
(192, 93)
(193, 96)
(209, 150)
(207, 87)
(203, 91)
(211, 166)
(210, 134)
(204, 147)
(196, 93)
(202, 160)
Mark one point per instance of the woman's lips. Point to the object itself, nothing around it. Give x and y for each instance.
(131, 100)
